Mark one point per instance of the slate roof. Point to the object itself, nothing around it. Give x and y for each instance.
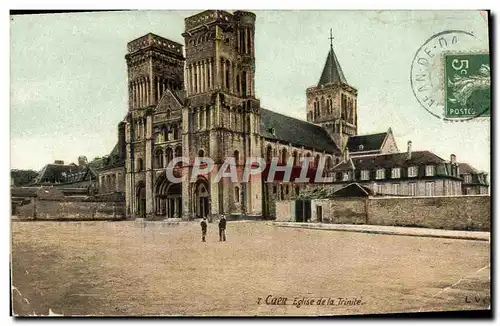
(353, 190)
(332, 72)
(295, 131)
(465, 168)
(390, 160)
(54, 172)
(63, 173)
(371, 142)
(114, 151)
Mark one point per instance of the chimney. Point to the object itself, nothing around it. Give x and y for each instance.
(453, 159)
(408, 156)
(59, 162)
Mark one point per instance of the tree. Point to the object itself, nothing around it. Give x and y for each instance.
(23, 177)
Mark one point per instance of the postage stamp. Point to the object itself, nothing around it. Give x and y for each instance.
(444, 75)
(467, 85)
(250, 163)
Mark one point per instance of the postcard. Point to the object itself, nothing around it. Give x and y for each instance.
(250, 163)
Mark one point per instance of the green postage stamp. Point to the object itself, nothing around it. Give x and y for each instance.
(467, 85)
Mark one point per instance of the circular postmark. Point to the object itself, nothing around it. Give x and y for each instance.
(445, 62)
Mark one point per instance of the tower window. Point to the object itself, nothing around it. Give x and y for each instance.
(236, 157)
(236, 194)
(140, 166)
(227, 74)
(244, 83)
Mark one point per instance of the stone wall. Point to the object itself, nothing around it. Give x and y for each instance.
(450, 212)
(70, 210)
(455, 213)
(284, 210)
(339, 211)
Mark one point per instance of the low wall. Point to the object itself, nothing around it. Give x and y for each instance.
(71, 210)
(285, 210)
(339, 211)
(450, 212)
(454, 213)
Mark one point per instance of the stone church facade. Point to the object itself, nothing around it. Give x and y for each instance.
(204, 105)
(200, 101)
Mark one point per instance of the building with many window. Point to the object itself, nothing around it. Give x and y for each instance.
(473, 181)
(410, 173)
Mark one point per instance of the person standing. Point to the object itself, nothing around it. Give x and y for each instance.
(222, 228)
(203, 224)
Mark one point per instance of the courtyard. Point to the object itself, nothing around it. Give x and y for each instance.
(133, 268)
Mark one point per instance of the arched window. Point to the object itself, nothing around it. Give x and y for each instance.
(236, 156)
(178, 151)
(168, 114)
(140, 165)
(236, 194)
(113, 183)
(295, 158)
(207, 117)
(316, 161)
(328, 163)
(244, 83)
(169, 154)
(166, 133)
(228, 64)
(323, 104)
(159, 159)
(195, 75)
(269, 153)
(201, 153)
(175, 131)
(284, 156)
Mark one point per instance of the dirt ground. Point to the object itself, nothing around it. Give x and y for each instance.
(129, 268)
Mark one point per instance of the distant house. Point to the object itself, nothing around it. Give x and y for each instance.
(66, 175)
(112, 167)
(419, 173)
(474, 182)
(371, 144)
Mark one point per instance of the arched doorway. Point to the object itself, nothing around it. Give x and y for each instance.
(168, 198)
(202, 198)
(140, 200)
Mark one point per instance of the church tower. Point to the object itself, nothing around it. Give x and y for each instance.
(154, 65)
(222, 116)
(333, 102)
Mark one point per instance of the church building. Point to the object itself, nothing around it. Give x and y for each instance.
(199, 100)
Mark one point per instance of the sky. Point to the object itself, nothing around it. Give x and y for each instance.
(68, 76)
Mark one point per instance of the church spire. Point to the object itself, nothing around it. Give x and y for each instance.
(332, 72)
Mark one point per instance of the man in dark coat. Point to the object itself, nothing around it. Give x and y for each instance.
(203, 224)
(222, 228)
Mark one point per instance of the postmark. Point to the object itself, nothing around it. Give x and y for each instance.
(429, 72)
